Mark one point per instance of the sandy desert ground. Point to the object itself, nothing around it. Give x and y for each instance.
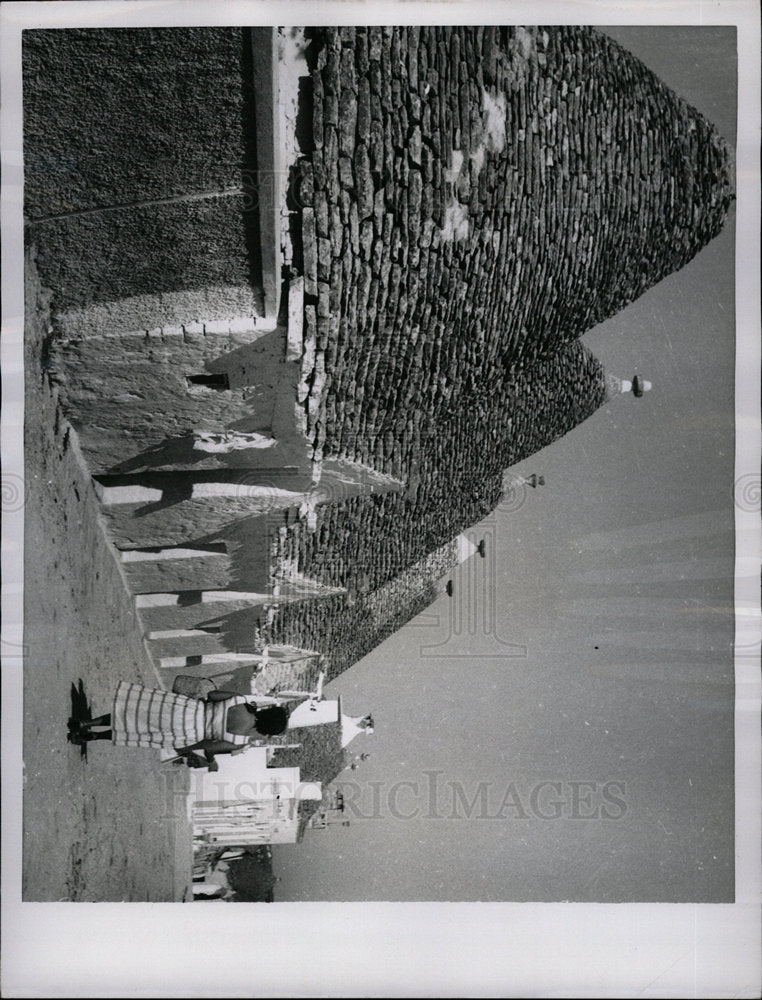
(111, 826)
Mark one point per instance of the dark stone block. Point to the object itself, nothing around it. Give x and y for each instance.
(347, 122)
(377, 147)
(379, 210)
(324, 259)
(354, 229)
(414, 148)
(309, 244)
(374, 77)
(364, 181)
(366, 239)
(361, 51)
(306, 186)
(323, 308)
(330, 109)
(337, 231)
(347, 70)
(332, 70)
(321, 213)
(317, 108)
(414, 203)
(374, 43)
(413, 36)
(363, 110)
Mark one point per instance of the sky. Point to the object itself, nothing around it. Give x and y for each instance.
(562, 728)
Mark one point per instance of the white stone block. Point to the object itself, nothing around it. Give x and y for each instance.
(266, 324)
(111, 495)
(295, 319)
(242, 324)
(218, 326)
(193, 331)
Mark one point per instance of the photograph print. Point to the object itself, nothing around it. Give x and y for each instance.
(379, 450)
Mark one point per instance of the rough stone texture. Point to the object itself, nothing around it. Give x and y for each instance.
(140, 114)
(177, 521)
(583, 183)
(228, 304)
(143, 249)
(140, 156)
(540, 208)
(211, 571)
(202, 644)
(131, 404)
(194, 615)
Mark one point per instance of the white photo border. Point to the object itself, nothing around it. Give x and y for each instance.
(381, 949)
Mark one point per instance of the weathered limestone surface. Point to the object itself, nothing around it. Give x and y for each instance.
(139, 163)
(193, 615)
(203, 572)
(187, 522)
(198, 644)
(134, 409)
(120, 100)
(174, 247)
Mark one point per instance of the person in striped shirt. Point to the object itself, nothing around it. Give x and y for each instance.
(222, 722)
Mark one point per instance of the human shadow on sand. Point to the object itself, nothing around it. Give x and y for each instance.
(80, 712)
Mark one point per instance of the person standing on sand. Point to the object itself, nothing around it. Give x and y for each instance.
(222, 722)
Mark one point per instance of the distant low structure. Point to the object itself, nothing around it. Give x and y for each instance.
(247, 803)
(267, 794)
